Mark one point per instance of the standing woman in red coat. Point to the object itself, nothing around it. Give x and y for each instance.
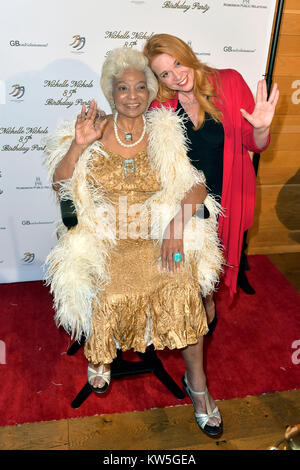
(223, 124)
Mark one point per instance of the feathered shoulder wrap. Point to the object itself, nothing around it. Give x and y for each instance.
(77, 266)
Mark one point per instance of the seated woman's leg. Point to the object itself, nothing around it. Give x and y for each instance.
(209, 305)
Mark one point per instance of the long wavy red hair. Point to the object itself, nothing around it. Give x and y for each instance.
(204, 90)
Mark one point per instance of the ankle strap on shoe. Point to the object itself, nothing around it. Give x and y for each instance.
(190, 388)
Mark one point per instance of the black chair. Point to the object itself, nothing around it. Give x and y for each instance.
(149, 362)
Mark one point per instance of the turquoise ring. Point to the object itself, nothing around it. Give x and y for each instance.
(177, 257)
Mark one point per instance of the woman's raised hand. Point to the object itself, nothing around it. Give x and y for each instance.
(264, 109)
(89, 127)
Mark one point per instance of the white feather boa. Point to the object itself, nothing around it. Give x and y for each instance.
(77, 266)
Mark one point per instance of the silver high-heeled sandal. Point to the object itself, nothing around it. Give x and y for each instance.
(202, 418)
(99, 373)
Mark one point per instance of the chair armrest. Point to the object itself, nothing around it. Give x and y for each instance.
(68, 213)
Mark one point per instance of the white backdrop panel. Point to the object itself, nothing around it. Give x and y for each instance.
(52, 53)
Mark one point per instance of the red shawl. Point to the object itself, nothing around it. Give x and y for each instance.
(239, 180)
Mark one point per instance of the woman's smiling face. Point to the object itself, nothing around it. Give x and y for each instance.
(172, 73)
(130, 93)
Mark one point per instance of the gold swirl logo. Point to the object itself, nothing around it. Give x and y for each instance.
(28, 257)
(17, 91)
(78, 43)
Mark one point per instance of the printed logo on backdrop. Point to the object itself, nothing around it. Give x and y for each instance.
(78, 44)
(37, 185)
(186, 5)
(17, 92)
(189, 43)
(247, 4)
(24, 138)
(237, 49)
(30, 222)
(68, 90)
(28, 258)
(17, 43)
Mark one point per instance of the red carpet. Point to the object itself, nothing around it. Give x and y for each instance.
(250, 353)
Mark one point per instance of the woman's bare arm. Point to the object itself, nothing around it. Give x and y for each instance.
(173, 236)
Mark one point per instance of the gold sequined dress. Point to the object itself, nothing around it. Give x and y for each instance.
(141, 304)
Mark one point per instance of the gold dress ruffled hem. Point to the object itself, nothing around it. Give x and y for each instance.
(167, 311)
(141, 304)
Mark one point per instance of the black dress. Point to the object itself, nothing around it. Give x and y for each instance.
(206, 146)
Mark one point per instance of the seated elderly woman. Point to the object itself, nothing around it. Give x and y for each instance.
(125, 276)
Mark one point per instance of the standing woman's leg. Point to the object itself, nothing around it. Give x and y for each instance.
(210, 308)
(193, 357)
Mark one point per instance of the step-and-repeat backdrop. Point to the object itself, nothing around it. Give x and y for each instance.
(51, 57)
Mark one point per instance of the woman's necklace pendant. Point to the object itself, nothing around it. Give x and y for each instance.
(128, 135)
(128, 167)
